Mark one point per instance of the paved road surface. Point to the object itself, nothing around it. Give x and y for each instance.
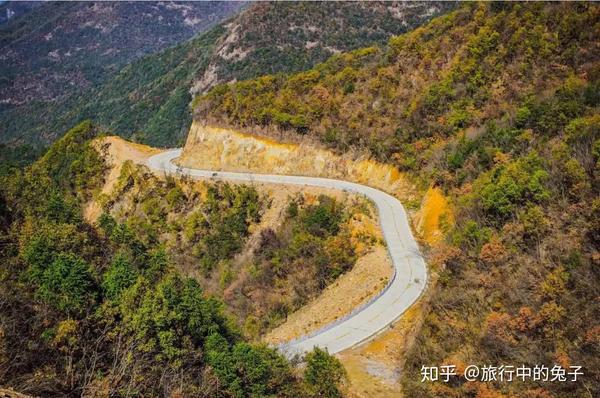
(404, 288)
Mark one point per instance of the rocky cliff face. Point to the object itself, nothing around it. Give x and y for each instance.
(217, 148)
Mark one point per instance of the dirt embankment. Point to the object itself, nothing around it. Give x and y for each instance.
(433, 217)
(224, 149)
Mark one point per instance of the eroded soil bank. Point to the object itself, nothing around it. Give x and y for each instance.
(217, 148)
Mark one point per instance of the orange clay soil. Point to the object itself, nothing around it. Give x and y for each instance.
(433, 215)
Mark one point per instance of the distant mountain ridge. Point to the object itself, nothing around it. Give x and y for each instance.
(57, 51)
(76, 45)
(290, 37)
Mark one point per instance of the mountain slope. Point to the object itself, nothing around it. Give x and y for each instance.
(289, 37)
(461, 70)
(60, 46)
(151, 95)
(497, 105)
(14, 9)
(58, 50)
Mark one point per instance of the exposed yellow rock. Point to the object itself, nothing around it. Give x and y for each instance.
(226, 149)
(433, 215)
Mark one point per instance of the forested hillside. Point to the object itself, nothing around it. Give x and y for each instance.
(294, 36)
(101, 310)
(205, 228)
(149, 98)
(57, 51)
(497, 104)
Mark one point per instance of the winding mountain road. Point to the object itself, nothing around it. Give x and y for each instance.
(410, 271)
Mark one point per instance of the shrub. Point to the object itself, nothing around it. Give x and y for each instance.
(67, 285)
(534, 222)
(508, 186)
(175, 197)
(171, 319)
(324, 218)
(249, 371)
(324, 374)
